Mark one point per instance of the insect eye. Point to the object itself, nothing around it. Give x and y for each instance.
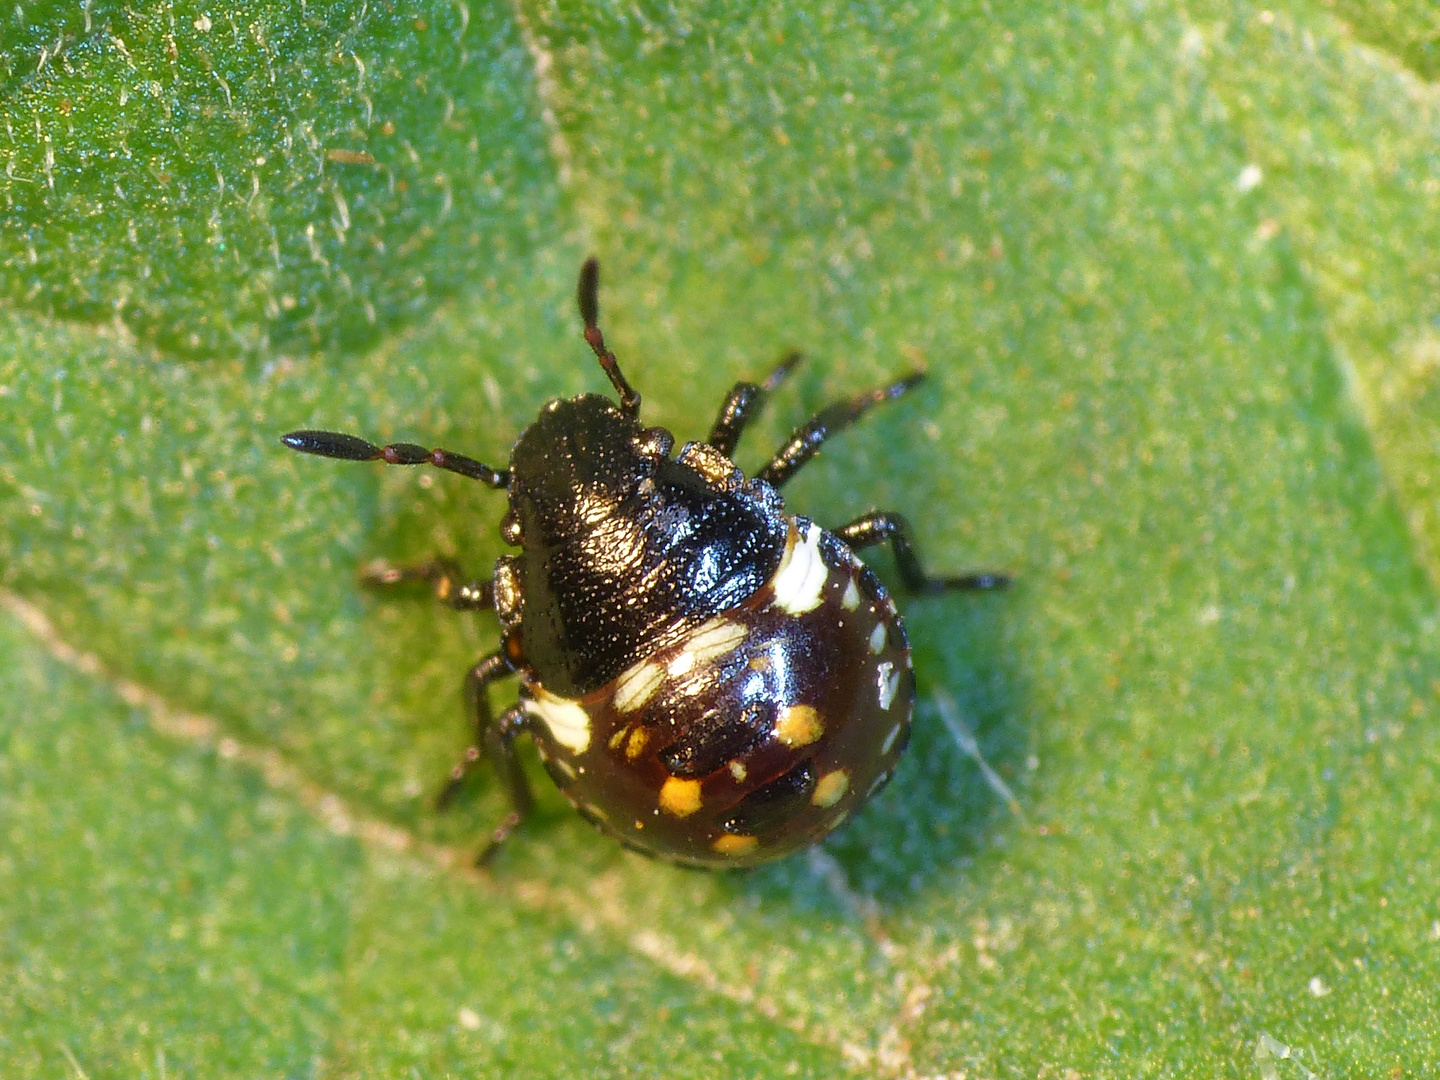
(654, 442)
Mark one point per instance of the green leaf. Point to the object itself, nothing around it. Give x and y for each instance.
(1172, 273)
(269, 176)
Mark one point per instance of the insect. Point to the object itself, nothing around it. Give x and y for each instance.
(708, 678)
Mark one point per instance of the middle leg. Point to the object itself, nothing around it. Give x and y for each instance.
(876, 528)
(488, 669)
(805, 443)
(495, 741)
(500, 750)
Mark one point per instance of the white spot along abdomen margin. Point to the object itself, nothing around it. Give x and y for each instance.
(801, 574)
(568, 722)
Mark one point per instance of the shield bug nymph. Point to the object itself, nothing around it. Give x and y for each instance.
(707, 677)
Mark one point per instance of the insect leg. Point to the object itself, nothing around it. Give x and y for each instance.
(500, 749)
(442, 575)
(805, 443)
(876, 528)
(487, 669)
(335, 444)
(743, 402)
(588, 293)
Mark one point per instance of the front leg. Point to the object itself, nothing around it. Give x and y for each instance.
(876, 528)
(442, 575)
(743, 402)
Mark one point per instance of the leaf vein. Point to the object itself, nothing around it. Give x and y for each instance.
(343, 819)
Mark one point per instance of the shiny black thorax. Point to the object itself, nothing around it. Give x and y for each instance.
(624, 548)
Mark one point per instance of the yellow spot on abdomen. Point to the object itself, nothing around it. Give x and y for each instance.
(798, 725)
(831, 788)
(636, 746)
(735, 845)
(680, 797)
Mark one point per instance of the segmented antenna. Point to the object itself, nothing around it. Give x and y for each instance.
(588, 293)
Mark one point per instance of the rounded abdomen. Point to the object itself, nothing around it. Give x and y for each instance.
(756, 733)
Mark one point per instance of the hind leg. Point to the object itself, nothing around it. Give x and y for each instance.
(877, 528)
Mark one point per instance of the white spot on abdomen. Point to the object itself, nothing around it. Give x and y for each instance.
(888, 681)
(710, 641)
(851, 600)
(635, 685)
(567, 720)
(877, 639)
(801, 574)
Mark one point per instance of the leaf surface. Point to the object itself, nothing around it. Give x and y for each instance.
(1172, 276)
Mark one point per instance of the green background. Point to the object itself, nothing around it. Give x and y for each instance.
(1172, 268)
